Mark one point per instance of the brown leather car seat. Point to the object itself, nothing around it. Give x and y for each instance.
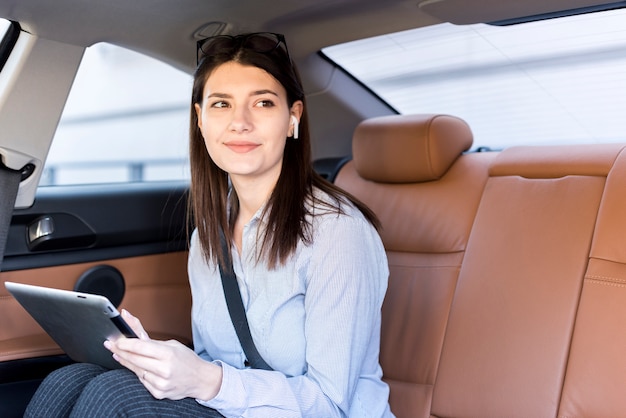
(409, 170)
(595, 380)
(507, 343)
(507, 287)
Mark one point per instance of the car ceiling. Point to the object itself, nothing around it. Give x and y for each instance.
(157, 28)
(168, 30)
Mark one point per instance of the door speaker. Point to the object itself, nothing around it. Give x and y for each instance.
(103, 280)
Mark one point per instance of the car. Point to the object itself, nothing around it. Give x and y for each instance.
(506, 253)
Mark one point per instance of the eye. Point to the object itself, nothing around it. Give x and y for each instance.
(264, 103)
(219, 104)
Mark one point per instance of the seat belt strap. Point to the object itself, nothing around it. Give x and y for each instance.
(237, 311)
(9, 185)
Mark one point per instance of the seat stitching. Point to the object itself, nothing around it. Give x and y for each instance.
(608, 281)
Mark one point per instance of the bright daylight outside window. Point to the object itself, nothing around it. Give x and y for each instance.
(547, 82)
(126, 119)
(4, 25)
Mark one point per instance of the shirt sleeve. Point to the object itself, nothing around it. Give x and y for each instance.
(346, 281)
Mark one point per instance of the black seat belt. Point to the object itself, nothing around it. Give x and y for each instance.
(9, 185)
(237, 311)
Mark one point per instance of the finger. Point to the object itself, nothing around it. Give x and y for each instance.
(151, 380)
(141, 366)
(144, 368)
(154, 383)
(145, 377)
(135, 324)
(138, 355)
(146, 348)
(143, 348)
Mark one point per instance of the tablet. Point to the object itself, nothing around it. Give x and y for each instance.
(78, 322)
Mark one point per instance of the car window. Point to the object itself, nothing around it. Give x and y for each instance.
(548, 82)
(126, 120)
(4, 27)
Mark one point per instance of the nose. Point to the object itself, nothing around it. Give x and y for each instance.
(240, 121)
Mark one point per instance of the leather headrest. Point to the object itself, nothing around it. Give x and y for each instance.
(408, 148)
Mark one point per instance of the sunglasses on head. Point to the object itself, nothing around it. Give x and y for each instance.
(261, 42)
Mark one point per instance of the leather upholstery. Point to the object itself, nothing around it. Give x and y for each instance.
(508, 336)
(595, 381)
(507, 288)
(425, 230)
(410, 149)
(157, 291)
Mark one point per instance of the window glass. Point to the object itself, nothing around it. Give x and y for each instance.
(126, 119)
(4, 25)
(548, 82)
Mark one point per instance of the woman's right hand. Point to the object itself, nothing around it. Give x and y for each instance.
(168, 369)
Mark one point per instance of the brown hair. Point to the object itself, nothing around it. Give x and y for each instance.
(287, 208)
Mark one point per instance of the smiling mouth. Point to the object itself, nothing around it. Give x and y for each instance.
(242, 148)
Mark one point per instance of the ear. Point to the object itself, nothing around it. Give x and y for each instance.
(198, 114)
(296, 109)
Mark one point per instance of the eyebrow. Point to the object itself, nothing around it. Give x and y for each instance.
(254, 93)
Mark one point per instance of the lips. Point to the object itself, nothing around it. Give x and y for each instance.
(242, 147)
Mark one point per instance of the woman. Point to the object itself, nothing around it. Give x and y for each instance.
(310, 267)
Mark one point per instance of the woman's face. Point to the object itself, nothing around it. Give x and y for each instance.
(245, 119)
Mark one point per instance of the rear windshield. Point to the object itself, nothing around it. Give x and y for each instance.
(557, 81)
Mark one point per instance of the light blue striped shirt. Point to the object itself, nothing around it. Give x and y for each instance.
(315, 320)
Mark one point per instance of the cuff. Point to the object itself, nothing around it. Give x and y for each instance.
(230, 399)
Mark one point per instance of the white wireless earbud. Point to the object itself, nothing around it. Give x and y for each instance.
(294, 120)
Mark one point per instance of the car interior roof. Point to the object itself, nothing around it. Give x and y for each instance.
(62, 29)
(149, 26)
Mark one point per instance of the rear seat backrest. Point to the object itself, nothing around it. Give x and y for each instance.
(509, 332)
(409, 170)
(534, 325)
(594, 382)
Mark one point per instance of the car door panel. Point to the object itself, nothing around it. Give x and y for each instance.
(138, 230)
(157, 292)
(99, 222)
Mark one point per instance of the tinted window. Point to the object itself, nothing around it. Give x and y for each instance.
(126, 119)
(547, 82)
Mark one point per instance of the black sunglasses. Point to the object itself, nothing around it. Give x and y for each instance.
(261, 42)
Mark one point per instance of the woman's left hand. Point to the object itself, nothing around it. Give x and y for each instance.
(168, 369)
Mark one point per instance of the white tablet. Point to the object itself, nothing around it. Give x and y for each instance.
(78, 322)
